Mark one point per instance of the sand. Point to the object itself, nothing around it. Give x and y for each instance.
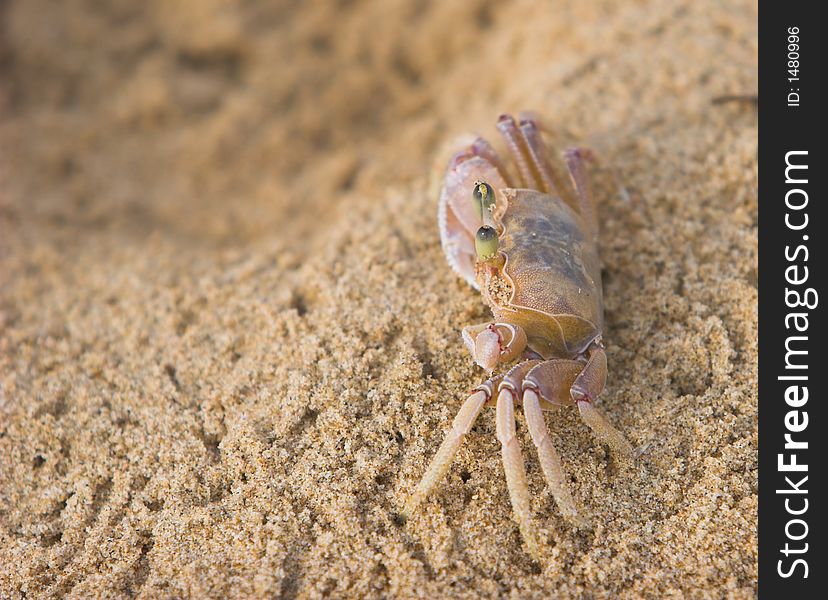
(229, 342)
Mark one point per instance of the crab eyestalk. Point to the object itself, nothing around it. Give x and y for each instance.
(486, 243)
(483, 197)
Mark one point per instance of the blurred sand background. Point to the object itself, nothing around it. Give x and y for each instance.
(229, 342)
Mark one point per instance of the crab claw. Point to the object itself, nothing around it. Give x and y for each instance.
(458, 220)
(487, 349)
(493, 343)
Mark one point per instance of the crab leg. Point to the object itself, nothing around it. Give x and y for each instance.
(604, 430)
(460, 427)
(549, 460)
(576, 159)
(540, 159)
(509, 131)
(484, 149)
(514, 468)
(586, 387)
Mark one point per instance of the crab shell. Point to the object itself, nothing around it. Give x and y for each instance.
(549, 281)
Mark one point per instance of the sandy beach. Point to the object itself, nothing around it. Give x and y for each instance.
(230, 342)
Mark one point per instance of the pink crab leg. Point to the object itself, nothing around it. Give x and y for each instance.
(589, 383)
(550, 462)
(537, 151)
(514, 468)
(604, 430)
(484, 149)
(506, 126)
(576, 159)
(460, 427)
(544, 166)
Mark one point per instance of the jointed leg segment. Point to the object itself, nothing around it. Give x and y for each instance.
(547, 455)
(603, 430)
(514, 140)
(460, 427)
(587, 387)
(514, 468)
(540, 384)
(576, 159)
(537, 171)
(538, 155)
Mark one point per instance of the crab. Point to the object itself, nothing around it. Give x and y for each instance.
(529, 243)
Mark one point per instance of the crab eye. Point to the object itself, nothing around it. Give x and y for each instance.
(486, 242)
(484, 198)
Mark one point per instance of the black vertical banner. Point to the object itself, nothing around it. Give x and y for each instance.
(792, 420)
